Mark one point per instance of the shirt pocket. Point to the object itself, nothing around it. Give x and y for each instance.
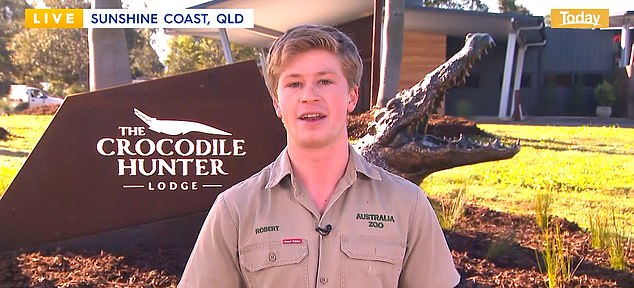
(273, 264)
(369, 261)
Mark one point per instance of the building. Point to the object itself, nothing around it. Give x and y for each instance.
(559, 67)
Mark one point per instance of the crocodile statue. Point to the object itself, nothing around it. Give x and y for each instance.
(397, 137)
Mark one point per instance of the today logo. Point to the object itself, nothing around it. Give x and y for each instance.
(579, 18)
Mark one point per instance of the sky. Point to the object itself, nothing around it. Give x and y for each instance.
(542, 7)
(159, 40)
(168, 4)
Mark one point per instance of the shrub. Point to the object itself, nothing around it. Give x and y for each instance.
(452, 210)
(5, 108)
(598, 230)
(607, 234)
(556, 260)
(499, 248)
(542, 207)
(577, 102)
(463, 108)
(605, 94)
(616, 250)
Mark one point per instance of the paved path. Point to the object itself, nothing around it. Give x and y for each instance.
(560, 121)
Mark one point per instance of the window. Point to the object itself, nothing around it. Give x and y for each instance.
(559, 80)
(526, 81)
(592, 79)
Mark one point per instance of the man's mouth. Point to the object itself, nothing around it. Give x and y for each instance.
(312, 116)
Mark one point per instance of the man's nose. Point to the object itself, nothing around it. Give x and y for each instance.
(310, 94)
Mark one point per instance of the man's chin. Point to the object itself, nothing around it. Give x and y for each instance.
(318, 139)
(313, 142)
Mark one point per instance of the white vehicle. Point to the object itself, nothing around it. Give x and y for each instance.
(34, 96)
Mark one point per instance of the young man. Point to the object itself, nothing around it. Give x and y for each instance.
(319, 215)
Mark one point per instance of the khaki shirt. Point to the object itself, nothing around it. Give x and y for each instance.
(261, 233)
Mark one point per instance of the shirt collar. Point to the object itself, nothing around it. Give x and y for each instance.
(281, 167)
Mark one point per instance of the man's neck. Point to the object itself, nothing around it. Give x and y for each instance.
(319, 170)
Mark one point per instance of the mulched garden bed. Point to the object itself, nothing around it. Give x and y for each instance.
(491, 249)
(41, 110)
(495, 249)
(4, 134)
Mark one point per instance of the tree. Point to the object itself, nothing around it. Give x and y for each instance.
(509, 6)
(392, 50)
(83, 4)
(189, 53)
(144, 62)
(57, 56)
(547, 20)
(475, 5)
(11, 22)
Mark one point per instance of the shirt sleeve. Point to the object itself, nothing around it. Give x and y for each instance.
(214, 259)
(428, 261)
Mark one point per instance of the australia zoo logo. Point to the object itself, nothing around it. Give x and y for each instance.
(163, 150)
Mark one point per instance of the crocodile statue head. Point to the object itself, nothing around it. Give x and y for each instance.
(397, 139)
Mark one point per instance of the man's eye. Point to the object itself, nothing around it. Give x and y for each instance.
(294, 85)
(325, 82)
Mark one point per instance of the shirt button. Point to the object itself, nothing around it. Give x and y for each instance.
(272, 257)
(323, 280)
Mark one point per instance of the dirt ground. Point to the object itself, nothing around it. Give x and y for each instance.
(490, 249)
(41, 110)
(4, 134)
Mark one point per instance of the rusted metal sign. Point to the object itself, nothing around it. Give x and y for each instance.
(141, 153)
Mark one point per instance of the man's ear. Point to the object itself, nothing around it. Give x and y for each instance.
(276, 106)
(353, 98)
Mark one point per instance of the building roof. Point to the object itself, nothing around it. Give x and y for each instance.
(269, 23)
(618, 20)
(273, 17)
(460, 22)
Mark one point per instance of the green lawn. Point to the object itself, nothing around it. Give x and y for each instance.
(26, 131)
(586, 168)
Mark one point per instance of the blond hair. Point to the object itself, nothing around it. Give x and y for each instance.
(307, 37)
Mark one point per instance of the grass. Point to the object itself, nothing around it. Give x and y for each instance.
(450, 211)
(616, 246)
(556, 260)
(584, 168)
(542, 209)
(500, 247)
(27, 131)
(558, 264)
(607, 234)
(599, 232)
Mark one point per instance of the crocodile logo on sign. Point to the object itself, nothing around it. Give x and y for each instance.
(177, 127)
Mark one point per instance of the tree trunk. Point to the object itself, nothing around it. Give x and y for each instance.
(391, 50)
(108, 50)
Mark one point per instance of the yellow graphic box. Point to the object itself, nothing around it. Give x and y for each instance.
(54, 18)
(579, 18)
